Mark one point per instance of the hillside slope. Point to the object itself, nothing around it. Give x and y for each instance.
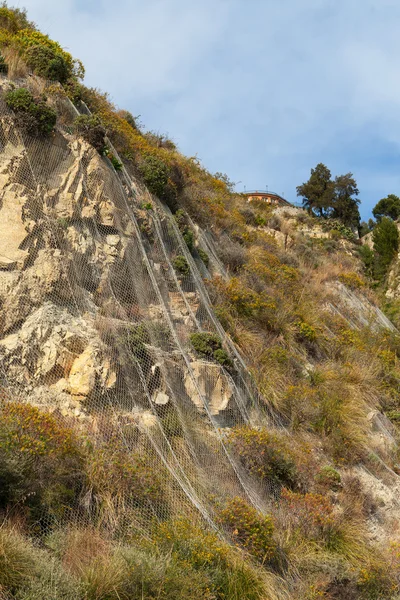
(200, 396)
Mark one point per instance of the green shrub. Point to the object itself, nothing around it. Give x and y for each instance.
(74, 90)
(28, 38)
(222, 357)
(386, 244)
(134, 339)
(47, 63)
(188, 237)
(204, 256)
(183, 224)
(329, 477)
(337, 229)
(181, 265)
(205, 343)
(41, 462)
(155, 175)
(265, 455)
(3, 65)
(32, 116)
(249, 529)
(210, 346)
(115, 162)
(91, 129)
(368, 258)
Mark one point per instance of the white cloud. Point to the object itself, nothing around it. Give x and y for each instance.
(259, 88)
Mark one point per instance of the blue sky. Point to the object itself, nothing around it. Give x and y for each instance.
(262, 90)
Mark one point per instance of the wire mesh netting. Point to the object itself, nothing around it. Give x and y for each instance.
(101, 298)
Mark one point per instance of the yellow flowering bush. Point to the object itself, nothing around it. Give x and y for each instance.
(41, 461)
(249, 529)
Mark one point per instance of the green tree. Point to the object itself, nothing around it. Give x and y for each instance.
(318, 192)
(364, 229)
(386, 244)
(368, 258)
(345, 203)
(387, 207)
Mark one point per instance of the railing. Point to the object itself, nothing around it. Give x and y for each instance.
(267, 192)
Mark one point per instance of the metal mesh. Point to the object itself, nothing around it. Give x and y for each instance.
(97, 324)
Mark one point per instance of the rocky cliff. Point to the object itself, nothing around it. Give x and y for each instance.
(217, 361)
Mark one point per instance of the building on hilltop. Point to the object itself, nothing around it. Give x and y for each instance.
(269, 197)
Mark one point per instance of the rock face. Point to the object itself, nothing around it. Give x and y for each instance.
(70, 277)
(60, 350)
(61, 236)
(356, 308)
(211, 383)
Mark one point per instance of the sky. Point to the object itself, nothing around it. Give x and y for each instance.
(261, 90)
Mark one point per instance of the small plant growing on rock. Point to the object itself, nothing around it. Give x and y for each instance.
(187, 233)
(32, 116)
(209, 345)
(188, 237)
(204, 256)
(134, 339)
(91, 129)
(181, 266)
(114, 160)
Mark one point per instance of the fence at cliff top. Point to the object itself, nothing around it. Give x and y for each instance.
(102, 300)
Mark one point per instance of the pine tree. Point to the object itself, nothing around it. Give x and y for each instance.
(318, 191)
(345, 203)
(387, 207)
(386, 245)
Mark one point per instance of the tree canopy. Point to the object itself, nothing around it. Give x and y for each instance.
(331, 198)
(345, 203)
(387, 207)
(318, 191)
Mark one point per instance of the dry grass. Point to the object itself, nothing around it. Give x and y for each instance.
(17, 68)
(17, 559)
(78, 548)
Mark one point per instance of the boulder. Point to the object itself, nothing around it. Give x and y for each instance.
(208, 382)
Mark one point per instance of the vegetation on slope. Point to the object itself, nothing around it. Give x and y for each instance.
(318, 374)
